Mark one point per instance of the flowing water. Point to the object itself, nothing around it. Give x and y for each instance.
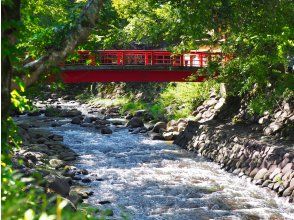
(142, 179)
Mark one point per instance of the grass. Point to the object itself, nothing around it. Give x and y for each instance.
(177, 100)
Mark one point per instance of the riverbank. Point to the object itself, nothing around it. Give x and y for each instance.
(44, 156)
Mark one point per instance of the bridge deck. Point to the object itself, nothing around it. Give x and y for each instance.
(75, 74)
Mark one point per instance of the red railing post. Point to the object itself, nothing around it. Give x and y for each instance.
(146, 58)
(92, 58)
(201, 59)
(118, 58)
(182, 60)
(122, 58)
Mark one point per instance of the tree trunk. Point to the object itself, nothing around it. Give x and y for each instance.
(9, 12)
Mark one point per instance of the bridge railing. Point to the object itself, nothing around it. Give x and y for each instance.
(144, 58)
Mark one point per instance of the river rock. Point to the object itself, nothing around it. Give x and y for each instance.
(58, 184)
(101, 122)
(106, 130)
(288, 191)
(88, 119)
(156, 136)
(149, 127)
(56, 137)
(86, 180)
(211, 102)
(159, 125)
(56, 163)
(34, 113)
(135, 122)
(263, 120)
(219, 104)
(77, 120)
(52, 112)
(56, 124)
(288, 167)
(181, 126)
(75, 199)
(135, 131)
(260, 174)
(143, 130)
(35, 156)
(168, 136)
(41, 140)
(274, 173)
(129, 116)
(67, 156)
(117, 121)
(71, 113)
(69, 173)
(273, 127)
(84, 172)
(86, 125)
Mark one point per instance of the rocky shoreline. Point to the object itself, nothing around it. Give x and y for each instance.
(45, 157)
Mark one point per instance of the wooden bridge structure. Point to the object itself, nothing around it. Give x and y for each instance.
(136, 66)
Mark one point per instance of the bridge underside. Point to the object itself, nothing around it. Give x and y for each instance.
(129, 74)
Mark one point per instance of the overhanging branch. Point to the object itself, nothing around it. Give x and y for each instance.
(78, 34)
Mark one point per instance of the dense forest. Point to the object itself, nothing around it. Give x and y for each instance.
(37, 35)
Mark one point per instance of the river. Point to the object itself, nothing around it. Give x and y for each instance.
(140, 179)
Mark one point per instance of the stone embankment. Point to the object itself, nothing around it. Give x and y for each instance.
(260, 150)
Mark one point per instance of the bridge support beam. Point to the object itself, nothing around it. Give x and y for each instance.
(137, 75)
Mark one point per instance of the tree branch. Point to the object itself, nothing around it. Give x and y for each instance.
(78, 34)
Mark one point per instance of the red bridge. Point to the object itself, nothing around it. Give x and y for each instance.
(136, 66)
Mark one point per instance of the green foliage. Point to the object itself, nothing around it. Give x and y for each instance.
(181, 99)
(177, 100)
(157, 110)
(20, 200)
(133, 106)
(45, 24)
(259, 37)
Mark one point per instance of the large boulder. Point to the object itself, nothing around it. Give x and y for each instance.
(135, 122)
(58, 184)
(159, 125)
